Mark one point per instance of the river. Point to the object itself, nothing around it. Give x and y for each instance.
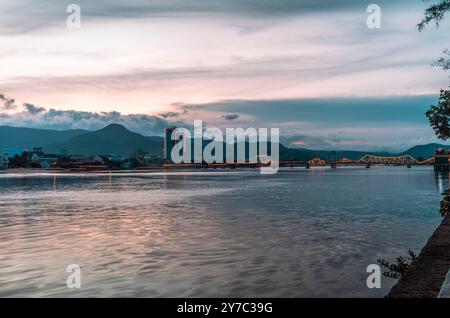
(299, 233)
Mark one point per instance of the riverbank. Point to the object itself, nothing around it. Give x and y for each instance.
(427, 274)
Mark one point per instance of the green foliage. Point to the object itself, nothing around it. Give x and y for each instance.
(445, 203)
(401, 265)
(444, 62)
(20, 161)
(435, 12)
(438, 115)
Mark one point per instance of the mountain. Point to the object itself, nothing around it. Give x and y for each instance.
(116, 139)
(28, 138)
(113, 139)
(424, 151)
(418, 152)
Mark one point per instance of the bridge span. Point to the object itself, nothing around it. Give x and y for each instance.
(397, 161)
(367, 160)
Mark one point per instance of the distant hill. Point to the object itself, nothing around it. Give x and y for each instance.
(116, 139)
(27, 138)
(424, 151)
(420, 151)
(303, 154)
(113, 139)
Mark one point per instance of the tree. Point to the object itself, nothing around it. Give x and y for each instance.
(401, 265)
(435, 12)
(444, 62)
(20, 161)
(438, 115)
(445, 203)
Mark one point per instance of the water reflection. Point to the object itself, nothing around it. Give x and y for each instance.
(442, 180)
(297, 233)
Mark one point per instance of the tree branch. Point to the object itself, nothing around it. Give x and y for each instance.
(435, 13)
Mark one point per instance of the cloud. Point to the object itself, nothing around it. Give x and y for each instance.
(255, 51)
(32, 116)
(327, 112)
(293, 140)
(231, 117)
(234, 53)
(169, 115)
(32, 109)
(24, 16)
(393, 124)
(6, 103)
(388, 123)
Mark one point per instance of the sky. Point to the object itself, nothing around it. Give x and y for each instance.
(309, 67)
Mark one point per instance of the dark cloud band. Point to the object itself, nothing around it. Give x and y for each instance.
(32, 116)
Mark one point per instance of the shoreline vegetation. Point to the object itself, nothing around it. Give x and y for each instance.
(426, 277)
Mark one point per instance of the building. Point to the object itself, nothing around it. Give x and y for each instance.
(87, 162)
(4, 161)
(345, 161)
(316, 162)
(168, 142)
(41, 160)
(44, 161)
(441, 160)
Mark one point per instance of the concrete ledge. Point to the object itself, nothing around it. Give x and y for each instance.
(445, 290)
(425, 277)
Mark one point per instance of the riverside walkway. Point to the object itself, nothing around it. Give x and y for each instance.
(426, 278)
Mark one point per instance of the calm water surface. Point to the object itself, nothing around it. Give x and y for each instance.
(209, 234)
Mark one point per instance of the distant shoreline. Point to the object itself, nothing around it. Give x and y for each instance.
(32, 171)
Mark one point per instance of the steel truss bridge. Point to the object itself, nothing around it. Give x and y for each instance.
(367, 160)
(400, 160)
